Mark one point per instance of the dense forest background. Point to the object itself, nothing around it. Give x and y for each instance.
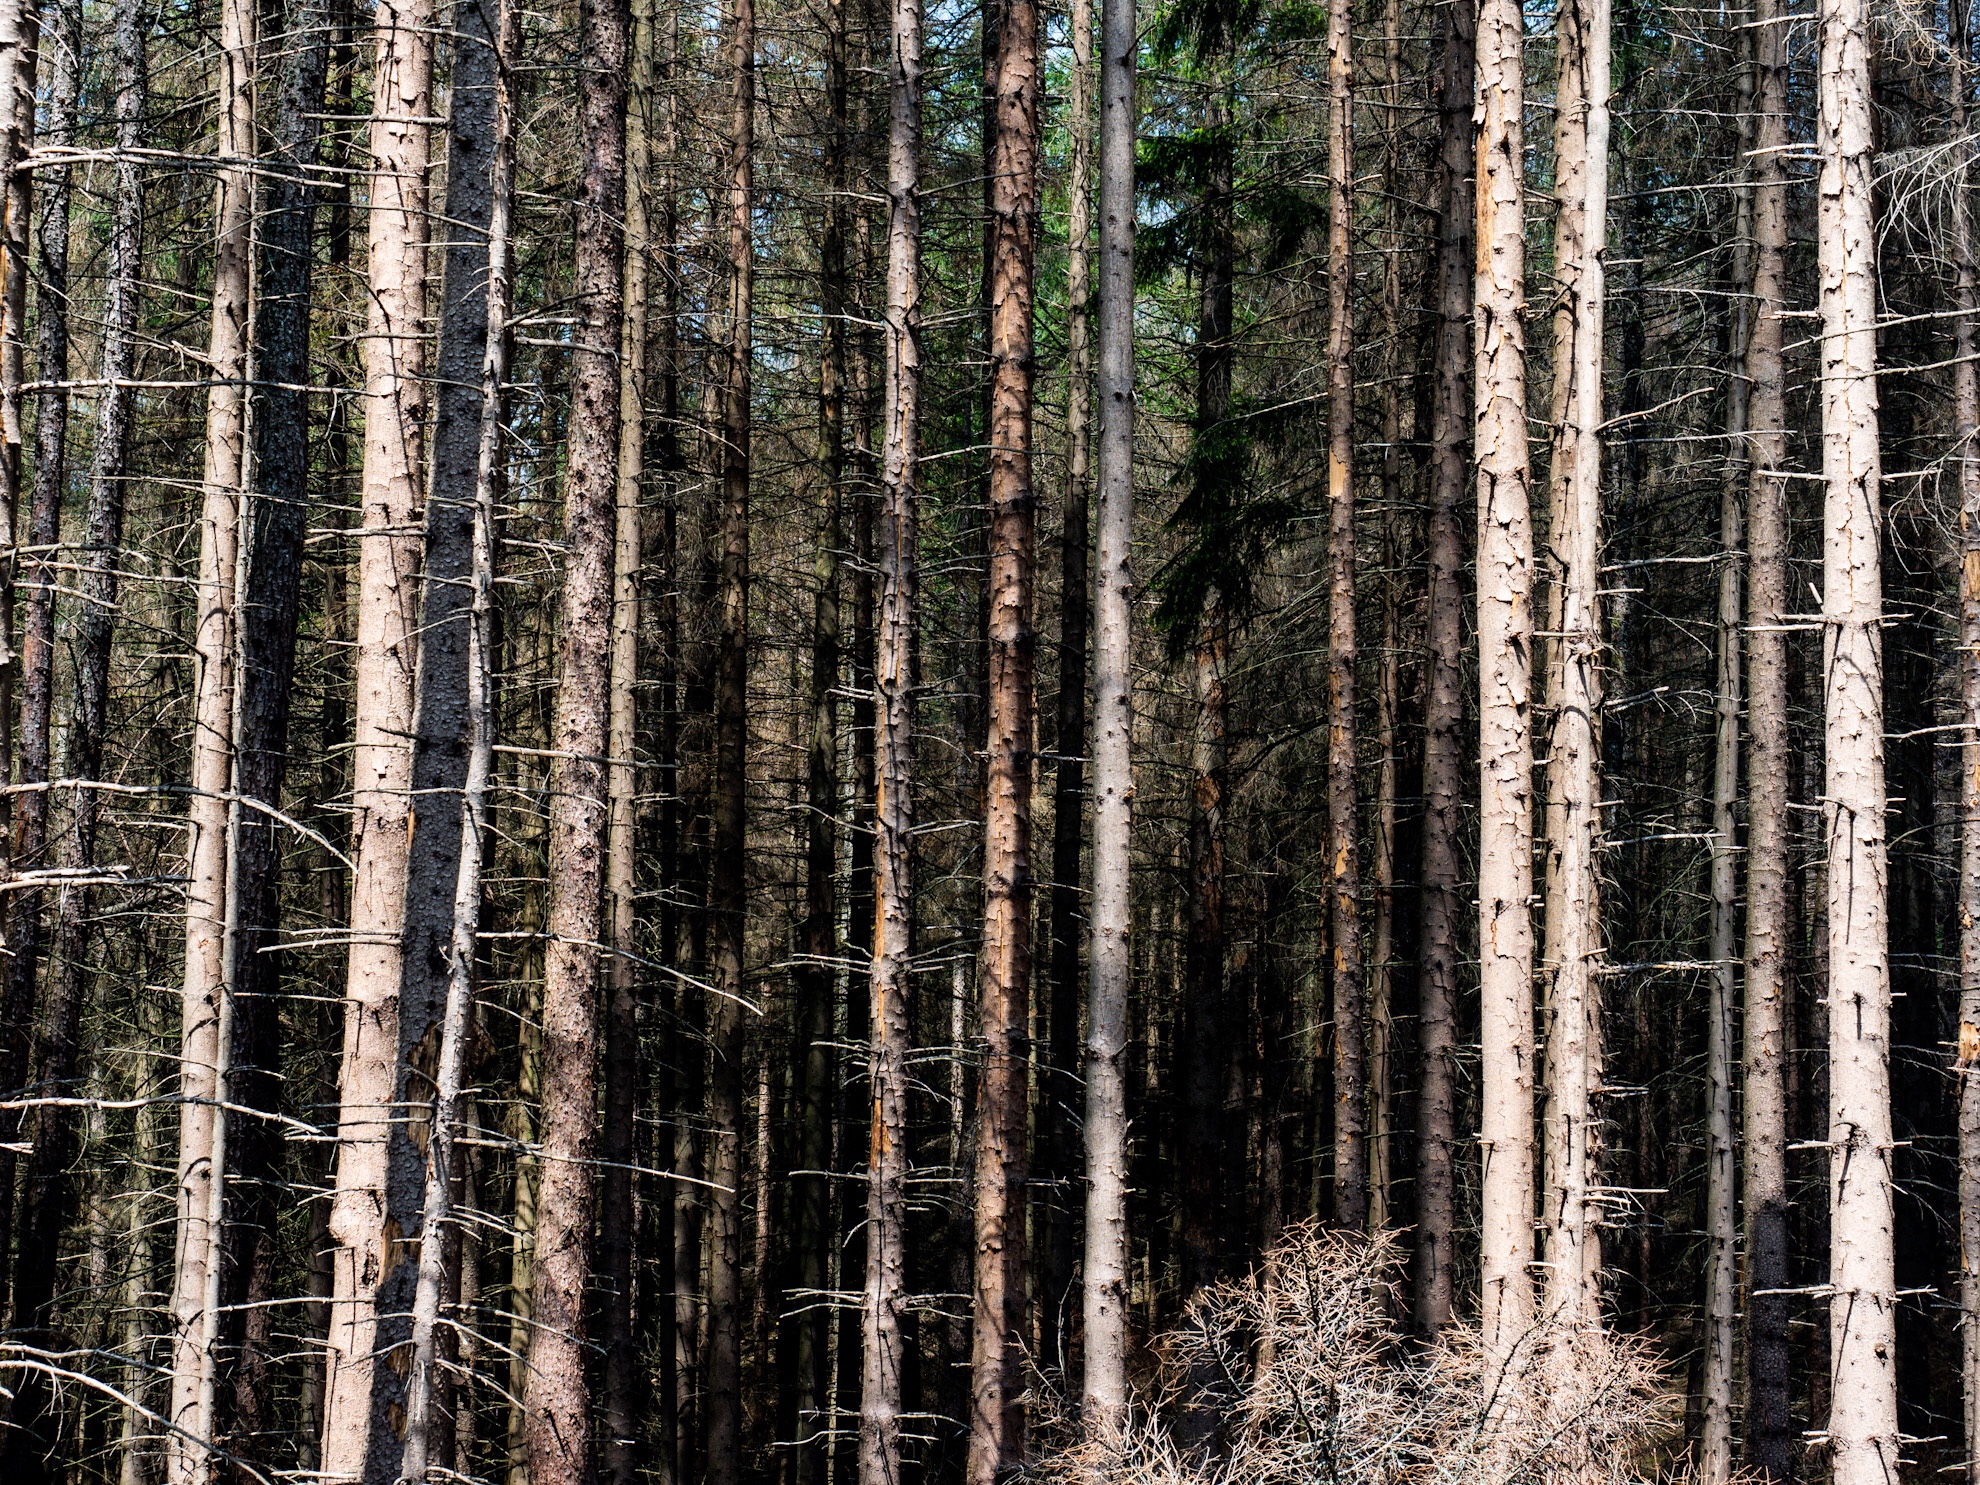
(535, 533)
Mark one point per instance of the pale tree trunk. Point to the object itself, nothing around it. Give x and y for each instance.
(1505, 628)
(729, 867)
(893, 746)
(205, 1048)
(427, 1429)
(1443, 708)
(1966, 432)
(389, 555)
(19, 53)
(1863, 1429)
(618, 1208)
(1721, 1217)
(1104, 1272)
(1343, 835)
(49, 1191)
(1058, 1139)
(997, 1339)
(1574, 683)
(557, 1396)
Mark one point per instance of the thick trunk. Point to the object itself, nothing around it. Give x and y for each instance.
(1573, 677)
(556, 1398)
(1443, 709)
(212, 913)
(1863, 1425)
(997, 1342)
(1766, 1002)
(1343, 834)
(729, 865)
(1505, 627)
(1104, 1270)
(389, 554)
(49, 1193)
(898, 553)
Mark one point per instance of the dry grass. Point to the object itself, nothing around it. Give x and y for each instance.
(1305, 1381)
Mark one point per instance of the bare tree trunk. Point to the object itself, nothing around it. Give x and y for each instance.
(618, 1218)
(32, 1449)
(1721, 1176)
(205, 1048)
(557, 1396)
(1863, 1424)
(1505, 623)
(428, 1432)
(1058, 1140)
(19, 54)
(61, 43)
(727, 893)
(1573, 681)
(997, 1343)
(1343, 833)
(389, 554)
(1443, 710)
(1767, 1018)
(882, 1346)
(1105, 1268)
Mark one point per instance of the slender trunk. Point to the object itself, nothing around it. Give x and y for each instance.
(1104, 1270)
(1505, 624)
(1863, 1423)
(1767, 1018)
(389, 552)
(1721, 1258)
(428, 1431)
(727, 887)
(1343, 833)
(619, 1246)
(815, 1059)
(19, 54)
(32, 1449)
(61, 42)
(997, 1343)
(1443, 710)
(557, 1396)
(883, 1352)
(1573, 679)
(205, 1039)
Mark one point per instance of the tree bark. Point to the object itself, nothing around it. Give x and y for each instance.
(19, 55)
(1343, 833)
(1505, 627)
(389, 556)
(1766, 1008)
(1573, 679)
(882, 1345)
(557, 1396)
(1863, 1423)
(728, 885)
(1104, 1271)
(997, 1342)
(1443, 709)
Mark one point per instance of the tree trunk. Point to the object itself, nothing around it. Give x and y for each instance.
(728, 894)
(389, 553)
(1505, 624)
(1443, 709)
(557, 1397)
(1764, 1058)
(997, 1343)
(1573, 679)
(883, 1350)
(1863, 1424)
(32, 1447)
(1104, 1271)
(211, 916)
(1343, 833)
(19, 53)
